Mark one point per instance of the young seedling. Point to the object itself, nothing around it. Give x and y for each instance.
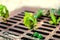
(58, 12)
(39, 13)
(54, 20)
(29, 20)
(37, 35)
(4, 13)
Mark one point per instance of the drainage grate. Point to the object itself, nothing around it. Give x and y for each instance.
(16, 28)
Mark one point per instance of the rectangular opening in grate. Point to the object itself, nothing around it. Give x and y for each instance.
(19, 17)
(21, 14)
(56, 36)
(11, 21)
(25, 38)
(29, 11)
(45, 16)
(21, 27)
(41, 18)
(29, 34)
(45, 29)
(46, 22)
(58, 32)
(21, 24)
(17, 31)
(8, 24)
(1, 26)
(48, 26)
(44, 33)
(15, 19)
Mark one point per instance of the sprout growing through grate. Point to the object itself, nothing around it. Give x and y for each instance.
(39, 13)
(54, 20)
(29, 20)
(37, 35)
(4, 12)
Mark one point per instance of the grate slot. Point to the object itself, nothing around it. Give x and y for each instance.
(44, 33)
(21, 14)
(48, 26)
(41, 18)
(29, 11)
(25, 38)
(6, 23)
(17, 31)
(45, 17)
(45, 29)
(1, 26)
(21, 27)
(11, 21)
(29, 34)
(19, 17)
(46, 22)
(58, 32)
(15, 19)
(21, 24)
(56, 36)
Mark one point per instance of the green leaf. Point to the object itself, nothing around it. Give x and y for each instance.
(4, 13)
(39, 13)
(40, 36)
(58, 20)
(29, 20)
(53, 18)
(35, 34)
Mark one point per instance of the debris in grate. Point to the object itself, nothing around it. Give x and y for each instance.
(7, 24)
(19, 27)
(1, 26)
(15, 19)
(17, 31)
(5, 38)
(10, 21)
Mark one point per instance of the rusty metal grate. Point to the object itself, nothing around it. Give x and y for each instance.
(15, 29)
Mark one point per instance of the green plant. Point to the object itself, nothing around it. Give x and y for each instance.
(37, 35)
(39, 13)
(58, 11)
(4, 13)
(54, 20)
(29, 20)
